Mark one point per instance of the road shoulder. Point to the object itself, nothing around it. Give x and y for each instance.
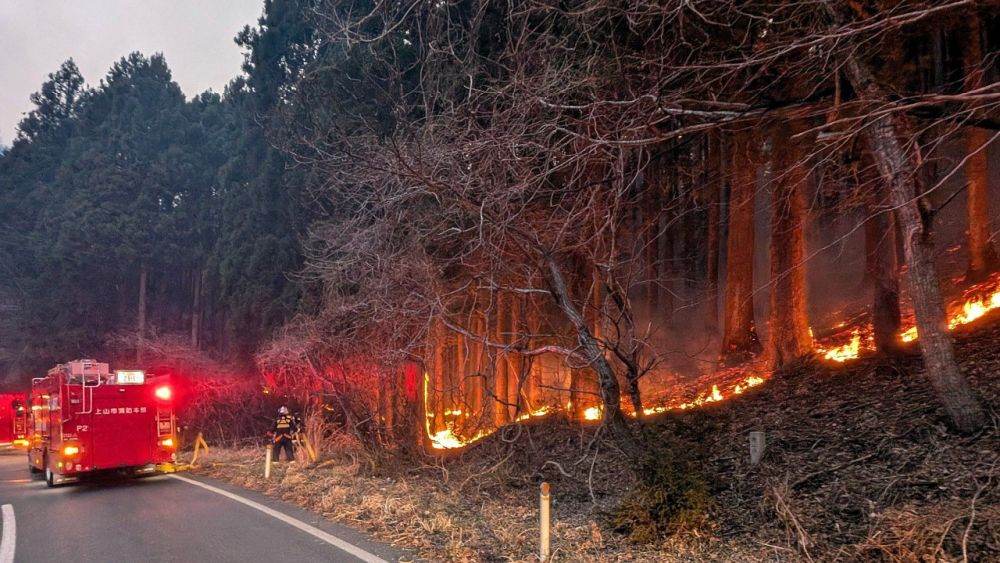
(344, 533)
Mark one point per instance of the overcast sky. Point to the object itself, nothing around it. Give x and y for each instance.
(36, 36)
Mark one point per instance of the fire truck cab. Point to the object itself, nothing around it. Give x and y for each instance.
(13, 420)
(86, 419)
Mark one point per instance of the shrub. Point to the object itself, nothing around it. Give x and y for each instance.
(672, 494)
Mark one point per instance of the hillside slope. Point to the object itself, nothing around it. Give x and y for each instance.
(859, 464)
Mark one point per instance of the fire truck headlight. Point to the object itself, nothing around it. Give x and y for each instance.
(167, 442)
(163, 393)
(71, 450)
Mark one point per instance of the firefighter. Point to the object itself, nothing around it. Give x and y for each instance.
(286, 426)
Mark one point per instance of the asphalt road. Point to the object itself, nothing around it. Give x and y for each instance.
(162, 518)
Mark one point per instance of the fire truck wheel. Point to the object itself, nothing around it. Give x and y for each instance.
(50, 478)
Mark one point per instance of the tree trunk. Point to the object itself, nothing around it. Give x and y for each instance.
(502, 370)
(712, 189)
(477, 383)
(898, 169)
(606, 378)
(883, 273)
(460, 400)
(520, 365)
(789, 339)
(739, 338)
(982, 254)
(196, 310)
(141, 328)
(437, 391)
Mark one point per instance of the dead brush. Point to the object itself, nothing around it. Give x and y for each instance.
(780, 496)
(938, 533)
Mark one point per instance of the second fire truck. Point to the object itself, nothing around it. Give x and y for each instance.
(13, 420)
(87, 419)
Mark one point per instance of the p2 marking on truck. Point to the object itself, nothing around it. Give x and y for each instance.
(87, 419)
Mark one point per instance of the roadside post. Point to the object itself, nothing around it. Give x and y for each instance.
(267, 461)
(757, 445)
(545, 503)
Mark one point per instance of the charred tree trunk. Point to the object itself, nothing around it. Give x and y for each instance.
(897, 168)
(789, 339)
(883, 272)
(739, 336)
(982, 254)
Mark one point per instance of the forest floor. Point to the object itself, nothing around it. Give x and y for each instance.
(859, 465)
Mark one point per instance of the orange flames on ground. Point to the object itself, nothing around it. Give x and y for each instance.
(845, 346)
(975, 302)
(849, 351)
(447, 439)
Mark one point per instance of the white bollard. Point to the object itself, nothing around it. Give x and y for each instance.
(757, 444)
(545, 549)
(267, 462)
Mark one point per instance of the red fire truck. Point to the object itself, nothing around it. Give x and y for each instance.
(13, 420)
(87, 419)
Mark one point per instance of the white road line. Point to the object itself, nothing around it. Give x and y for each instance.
(311, 530)
(9, 537)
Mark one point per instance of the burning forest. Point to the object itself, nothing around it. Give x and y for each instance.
(444, 225)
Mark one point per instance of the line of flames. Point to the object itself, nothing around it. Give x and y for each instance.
(977, 302)
(971, 309)
(446, 438)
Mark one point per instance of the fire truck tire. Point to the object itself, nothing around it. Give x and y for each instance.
(50, 480)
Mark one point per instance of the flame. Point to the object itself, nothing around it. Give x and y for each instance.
(747, 383)
(446, 439)
(592, 413)
(974, 307)
(532, 414)
(972, 310)
(849, 351)
(712, 396)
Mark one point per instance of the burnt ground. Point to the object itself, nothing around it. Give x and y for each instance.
(859, 465)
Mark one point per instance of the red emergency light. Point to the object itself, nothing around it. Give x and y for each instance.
(163, 393)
